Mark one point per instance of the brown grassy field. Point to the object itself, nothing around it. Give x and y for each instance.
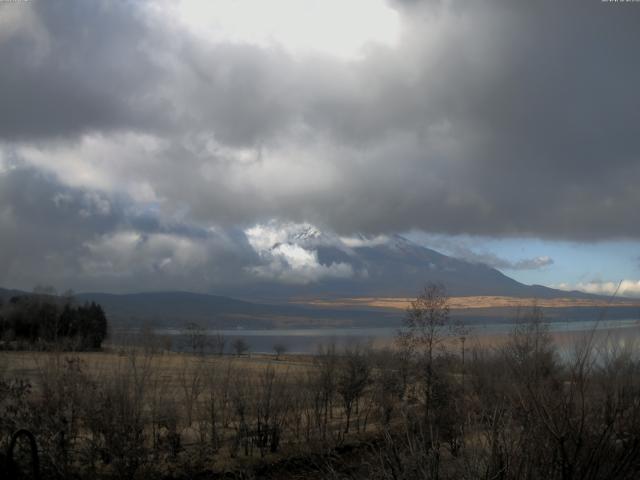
(173, 370)
(190, 409)
(144, 412)
(472, 302)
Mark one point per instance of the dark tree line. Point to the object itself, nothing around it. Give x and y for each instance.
(50, 319)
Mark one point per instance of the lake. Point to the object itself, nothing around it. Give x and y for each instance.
(306, 341)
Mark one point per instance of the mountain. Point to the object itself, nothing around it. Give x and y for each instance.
(303, 262)
(176, 309)
(364, 266)
(400, 268)
(6, 294)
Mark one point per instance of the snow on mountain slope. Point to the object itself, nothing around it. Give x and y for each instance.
(300, 259)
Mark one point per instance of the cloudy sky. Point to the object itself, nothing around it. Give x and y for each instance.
(163, 144)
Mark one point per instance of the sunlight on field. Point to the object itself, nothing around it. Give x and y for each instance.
(400, 303)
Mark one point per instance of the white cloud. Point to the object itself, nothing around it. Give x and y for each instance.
(627, 288)
(130, 253)
(293, 264)
(531, 263)
(467, 248)
(326, 27)
(20, 20)
(113, 163)
(265, 236)
(285, 249)
(95, 204)
(5, 164)
(362, 241)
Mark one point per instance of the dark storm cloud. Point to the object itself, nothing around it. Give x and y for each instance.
(70, 67)
(536, 106)
(489, 117)
(87, 240)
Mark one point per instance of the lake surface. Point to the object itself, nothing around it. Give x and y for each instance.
(301, 340)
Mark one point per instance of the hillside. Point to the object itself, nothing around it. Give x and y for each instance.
(385, 275)
(391, 267)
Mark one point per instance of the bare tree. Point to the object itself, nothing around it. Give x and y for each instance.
(322, 386)
(150, 341)
(191, 382)
(425, 321)
(240, 346)
(271, 403)
(427, 325)
(280, 349)
(389, 384)
(353, 377)
(218, 403)
(218, 342)
(196, 337)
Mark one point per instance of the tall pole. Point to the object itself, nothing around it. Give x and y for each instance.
(462, 340)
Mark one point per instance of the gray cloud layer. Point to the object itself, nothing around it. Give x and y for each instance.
(488, 117)
(68, 237)
(498, 262)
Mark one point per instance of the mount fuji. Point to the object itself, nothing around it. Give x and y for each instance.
(300, 260)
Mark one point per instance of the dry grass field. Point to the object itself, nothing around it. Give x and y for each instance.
(472, 302)
(136, 413)
(32, 365)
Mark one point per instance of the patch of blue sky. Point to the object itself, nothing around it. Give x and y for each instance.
(573, 262)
